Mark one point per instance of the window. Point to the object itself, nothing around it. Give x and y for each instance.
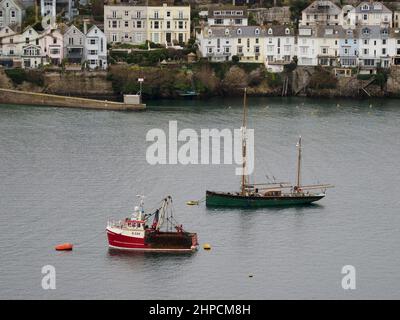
(180, 25)
(239, 31)
(180, 15)
(365, 51)
(156, 25)
(384, 41)
(257, 31)
(269, 31)
(126, 13)
(126, 24)
(384, 51)
(114, 37)
(365, 17)
(12, 14)
(168, 24)
(138, 24)
(54, 40)
(155, 14)
(138, 14)
(168, 13)
(92, 41)
(239, 40)
(114, 24)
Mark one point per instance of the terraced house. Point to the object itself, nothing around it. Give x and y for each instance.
(12, 13)
(222, 43)
(166, 25)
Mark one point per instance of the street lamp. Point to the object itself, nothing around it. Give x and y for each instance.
(140, 80)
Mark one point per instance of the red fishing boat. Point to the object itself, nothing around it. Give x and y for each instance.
(143, 231)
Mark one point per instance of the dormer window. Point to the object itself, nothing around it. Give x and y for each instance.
(227, 32)
(385, 31)
(365, 7)
(239, 31)
(365, 31)
(269, 31)
(287, 31)
(257, 31)
(209, 32)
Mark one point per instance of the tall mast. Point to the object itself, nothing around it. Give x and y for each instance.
(298, 163)
(244, 140)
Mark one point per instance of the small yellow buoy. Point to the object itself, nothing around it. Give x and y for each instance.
(206, 246)
(192, 203)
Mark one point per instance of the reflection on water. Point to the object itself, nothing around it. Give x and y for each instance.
(64, 173)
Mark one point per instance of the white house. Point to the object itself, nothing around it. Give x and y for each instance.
(96, 48)
(74, 45)
(12, 14)
(394, 46)
(370, 14)
(227, 16)
(52, 45)
(321, 12)
(29, 48)
(279, 47)
(373, 48)
(307, 47)
(222, 43)
(328, 44)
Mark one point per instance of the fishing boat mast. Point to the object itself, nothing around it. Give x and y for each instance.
(244, 150)
(298, 164)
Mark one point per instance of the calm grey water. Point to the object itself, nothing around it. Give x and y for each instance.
(64, 173)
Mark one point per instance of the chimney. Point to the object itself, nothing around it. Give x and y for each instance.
(84, 26)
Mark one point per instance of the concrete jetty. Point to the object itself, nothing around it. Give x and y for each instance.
(8, 96)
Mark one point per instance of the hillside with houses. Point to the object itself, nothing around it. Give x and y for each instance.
(274, 47)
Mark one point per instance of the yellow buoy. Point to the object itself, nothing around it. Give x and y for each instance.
(192, 203)
(206, 246)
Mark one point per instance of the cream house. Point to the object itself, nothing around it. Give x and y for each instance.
(168, 25)
(164, 24)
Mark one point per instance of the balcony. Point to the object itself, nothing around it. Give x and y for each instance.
(110, 16)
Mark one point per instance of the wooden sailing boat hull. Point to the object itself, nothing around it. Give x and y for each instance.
(219, 199)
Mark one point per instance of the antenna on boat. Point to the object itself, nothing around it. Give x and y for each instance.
(298, 145)
(244, 137)
(141, 205)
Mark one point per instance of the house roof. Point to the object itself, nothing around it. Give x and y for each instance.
(374, 7)
(323, 6)
(248, 31)
(374, 32)
(330, 32)
(212, 9)
(18, 3)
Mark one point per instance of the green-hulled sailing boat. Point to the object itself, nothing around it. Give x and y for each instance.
(266, 194)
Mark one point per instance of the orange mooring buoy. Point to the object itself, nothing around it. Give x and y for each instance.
(64, 247)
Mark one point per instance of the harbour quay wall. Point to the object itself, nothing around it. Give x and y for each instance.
(9, 96)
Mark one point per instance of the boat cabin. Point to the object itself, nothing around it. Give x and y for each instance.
(273, 193)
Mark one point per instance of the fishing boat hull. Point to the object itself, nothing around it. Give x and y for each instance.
(220, 199)
(153, 241)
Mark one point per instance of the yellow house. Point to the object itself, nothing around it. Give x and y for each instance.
(168, 25)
